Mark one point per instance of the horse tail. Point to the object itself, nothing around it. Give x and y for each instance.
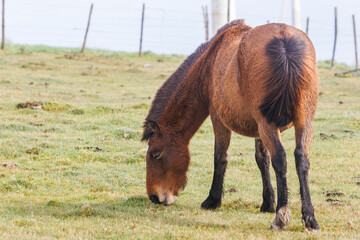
(286, 57)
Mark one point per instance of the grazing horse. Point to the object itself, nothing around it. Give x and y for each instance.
(253, 81)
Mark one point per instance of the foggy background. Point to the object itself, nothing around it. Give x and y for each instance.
(171, 26)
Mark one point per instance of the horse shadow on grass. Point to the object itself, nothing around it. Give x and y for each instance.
(128, 208)
(134, 207)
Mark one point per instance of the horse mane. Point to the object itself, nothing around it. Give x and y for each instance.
(166, 91)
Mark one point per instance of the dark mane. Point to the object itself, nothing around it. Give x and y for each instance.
(164, 94)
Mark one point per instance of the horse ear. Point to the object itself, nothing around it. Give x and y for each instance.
(150, 128)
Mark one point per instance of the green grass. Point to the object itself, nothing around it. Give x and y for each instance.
(76, 168)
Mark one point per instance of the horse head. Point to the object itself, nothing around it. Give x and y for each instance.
(167, 162)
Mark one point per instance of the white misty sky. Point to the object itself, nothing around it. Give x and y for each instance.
(171, 26)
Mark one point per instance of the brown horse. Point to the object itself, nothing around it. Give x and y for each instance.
(254, 81)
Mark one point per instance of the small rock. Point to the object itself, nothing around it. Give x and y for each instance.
(160, 60)
(341, 102)
(38, 107)
(358, 183)
(232, 190)
(147, 65)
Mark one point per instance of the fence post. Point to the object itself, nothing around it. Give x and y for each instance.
(87, 28)
(333, 55)
(142, 29)
(307, 25)
(228, 11)
(206, 21)
(3, 26)
(355, 42)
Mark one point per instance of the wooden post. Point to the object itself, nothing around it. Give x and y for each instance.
(142, 29)
(333, 55)
(206, 21)
(307, 25)
(87, 28)
(228, 12)
(3, 26)
(355, 42)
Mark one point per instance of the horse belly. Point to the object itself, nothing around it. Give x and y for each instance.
(236, 117)
(243, 127)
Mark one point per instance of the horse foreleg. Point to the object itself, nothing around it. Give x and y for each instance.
(262, 157)
(222, 141)
(271, 138)
(303, 141)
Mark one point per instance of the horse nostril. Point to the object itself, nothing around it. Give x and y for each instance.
(154, 199)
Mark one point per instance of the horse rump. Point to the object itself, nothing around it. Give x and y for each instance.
(286, 56)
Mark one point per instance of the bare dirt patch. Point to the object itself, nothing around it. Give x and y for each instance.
(9, 165)
(335, 192)
(31, 105)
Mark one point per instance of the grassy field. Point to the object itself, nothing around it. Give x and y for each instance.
(75, 169)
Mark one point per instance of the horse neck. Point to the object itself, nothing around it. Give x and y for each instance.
(189, 106)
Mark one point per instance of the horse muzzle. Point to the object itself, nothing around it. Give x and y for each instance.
(164, 199)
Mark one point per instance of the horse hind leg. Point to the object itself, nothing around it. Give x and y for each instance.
(270, 135)
(222, 141)
(262, 157)
(304, 134)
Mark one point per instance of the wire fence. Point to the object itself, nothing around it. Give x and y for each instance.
(166, 30)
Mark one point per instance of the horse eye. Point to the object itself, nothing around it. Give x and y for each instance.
(157, 156)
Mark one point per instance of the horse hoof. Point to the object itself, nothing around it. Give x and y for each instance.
(310, 224)
(211, 203)
(265, 207)
(282, 218)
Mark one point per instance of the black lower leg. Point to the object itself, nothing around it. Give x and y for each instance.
(279, 164)
(222, 141)
(214, 199)
(302, 169)
(263, 161)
